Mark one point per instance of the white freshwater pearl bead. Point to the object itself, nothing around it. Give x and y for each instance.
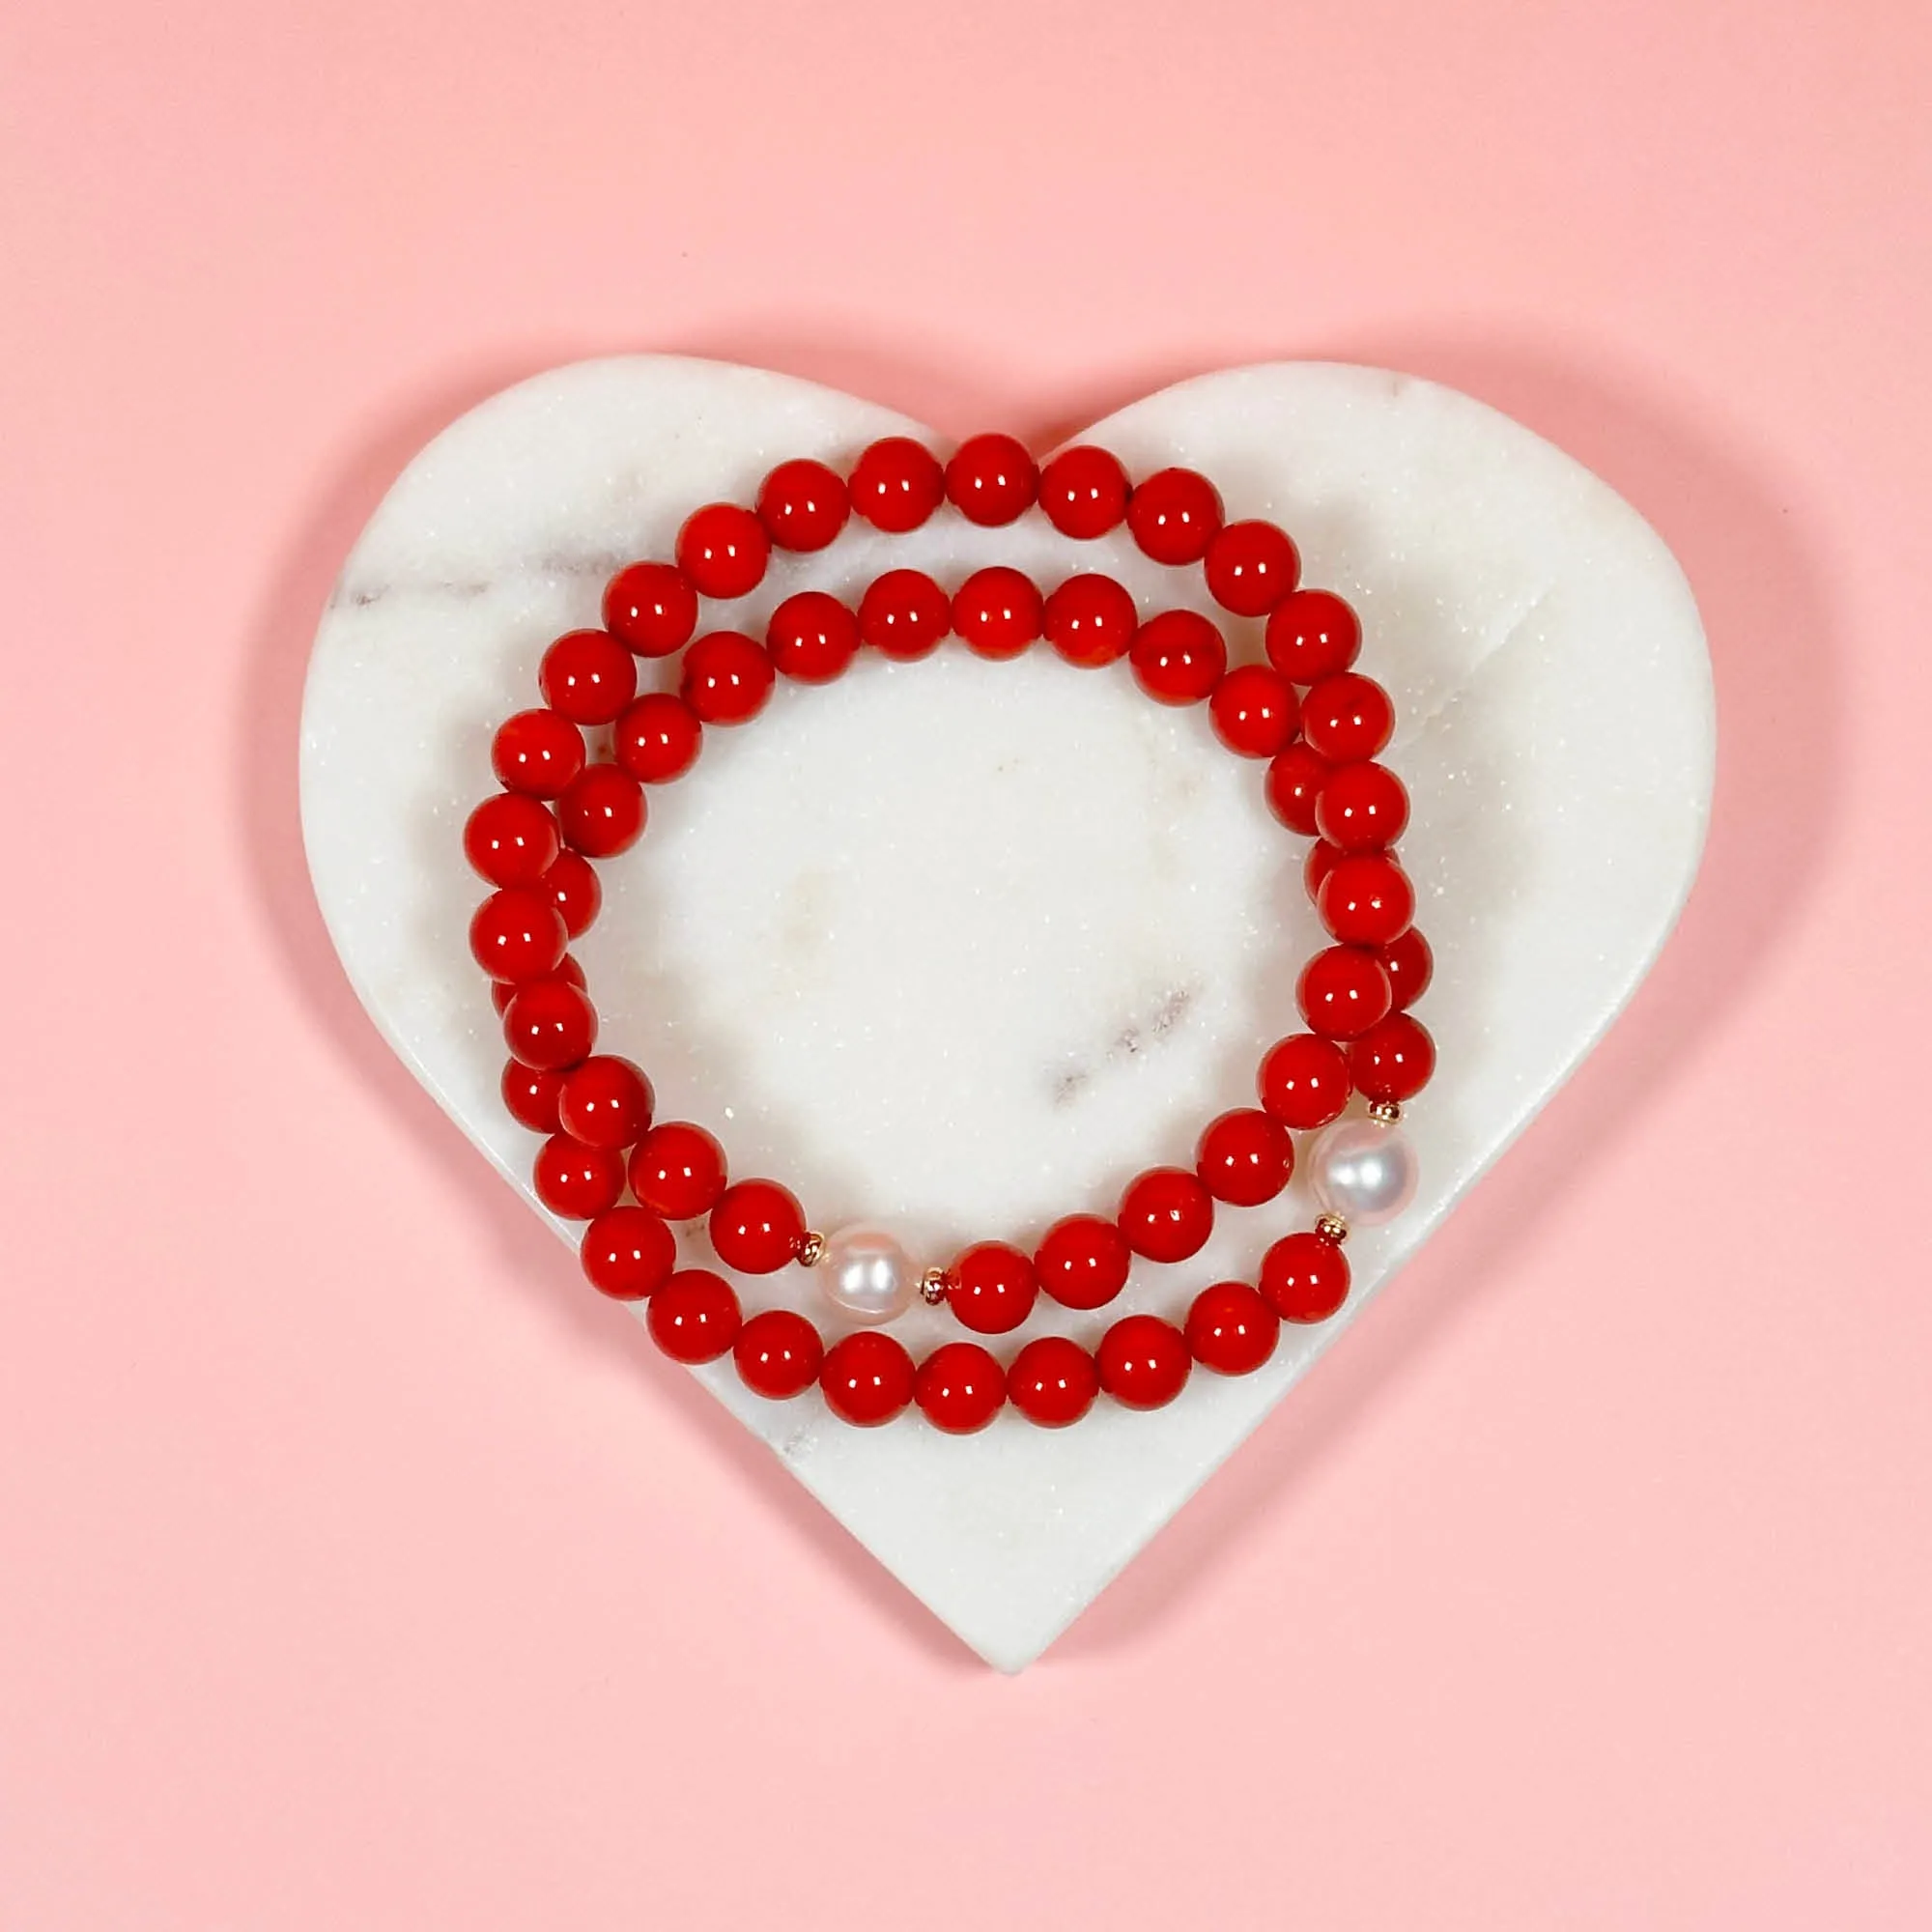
(1363, 1171)
(865, 1273)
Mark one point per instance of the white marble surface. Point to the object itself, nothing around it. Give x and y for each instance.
(965, 945)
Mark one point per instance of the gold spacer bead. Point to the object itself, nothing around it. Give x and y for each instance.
(1331, 1228)
(811, 1250)
(932, 1287)
(1388, 1112)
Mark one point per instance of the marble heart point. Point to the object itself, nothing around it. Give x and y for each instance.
(959, 947)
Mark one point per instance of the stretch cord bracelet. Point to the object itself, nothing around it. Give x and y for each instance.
(1320, 726)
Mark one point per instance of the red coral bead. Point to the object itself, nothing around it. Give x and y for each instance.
(1053, 1382)
(991, 479)
(757, 1226)
(1394, 1059)
(536, 752)
(991, 1287)
(1322, 860)
(727, 679)
(904, 613)
(1084, 491)
(1410, 966)
(657, 738)
(803, 504)
(1294, 781)
(511, 839)
(777, 1354)
(812, 637)
(896, 484)
(723, 549)
(1143, 1361)
(961, 1388)
(1363, 808)
(1304, 1081)
(1244, 1157)
(572, 886)
(1083, 1261)
(1343, 992)
(694, 1315)
(1232, 1329)
(1304, 1277)
(1173, 515)
(503, 991)
(678, 1169)
(998, 611)
(1090, 621)
(602, 811)
(1312, 634)
(516, 935)
(1179, 657)
(550, 1024)
(628, 1253)
(530, 1093)
(1347, 717)
(1254, 711)
(606, 1102)
(1165, 1215)
(1250, 567)
(574, 1181)
(1366, 901)
(867, 1379)
(588, 676)
(651, 608)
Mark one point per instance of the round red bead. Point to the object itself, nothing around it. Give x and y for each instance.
(1090, 621)
(606, 1102)
(1254, 711)
(1250, 567)
(503, 991)
(511, 839)
(1083, 1261)
(867, 1379)
(1410, 966)
(1343, 992)
(602, 811)
(588, 676)
(896, 484)
(757, 1226)
(998, 611)
(1312, 634)
(1232, 1329)
(991, 479)
(1179, 657)
(679, 1170)
(803, 504)
(1294, 781)
(1165, 1215)
(1244, 1157)
(1053, 1382)
(1304, 1081)
(812, 637)
(530, 1093)
(694, 1315)
(723, 549)
(517, 934)
(1304, 1277)
(777, 1354)
(904, 613)
(628, 1253)
(961, 1388)
(657, 738)
(991, 1287)
(1366, 899)
(1173, 515)
(1347, 717)
(1084, 491)
(727, 679)
(550, 1024)
(1143, 1361)
(572, 886)
(1362, 808)
(574, 1181)
(536, 752)
(651, 608)
(1322, 860)
(1393, 1060)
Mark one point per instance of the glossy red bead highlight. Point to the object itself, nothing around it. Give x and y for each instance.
(536, 752)
(1366, 901)
(1410, 966)
(516, 935)
(1143, 1361)
(867, 1379)
(1393, 1060)
(1082, 1260)
(1084, 492)
(722, 549)
(991, 479)
(991, 1287)
(628, 1253)
(959, 1388)
(657, 738)
(998, 611)
(1090, 621)
(1053, 1382)
(1165, 1215)
(511, 839)
(1304, 1081)
(1232, 1328)
(1244, 1157)
(695, 1317)
(606, 1102)
(678, 1169)
(757, 1226)
(602, 811)
(529, 1092)
(1362, 808)
(574, 1181)
(572, 886)
(1343, 992)
(1254, 711)
(1295, 778)
(1179, 657)
(896, 484)
(803, 505)
(1347, 717)
(588, 676)
(777, 1354)
(727, 679)
(1173, 515)
(550, 1024)
(651, 608)
(1304, 1277)
(812, 637)
(1250, 567)
(904, 613)
(1312, 634)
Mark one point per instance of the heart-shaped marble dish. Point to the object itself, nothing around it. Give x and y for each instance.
(963, 945)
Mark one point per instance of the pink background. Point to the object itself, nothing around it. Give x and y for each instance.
(361, 1570)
